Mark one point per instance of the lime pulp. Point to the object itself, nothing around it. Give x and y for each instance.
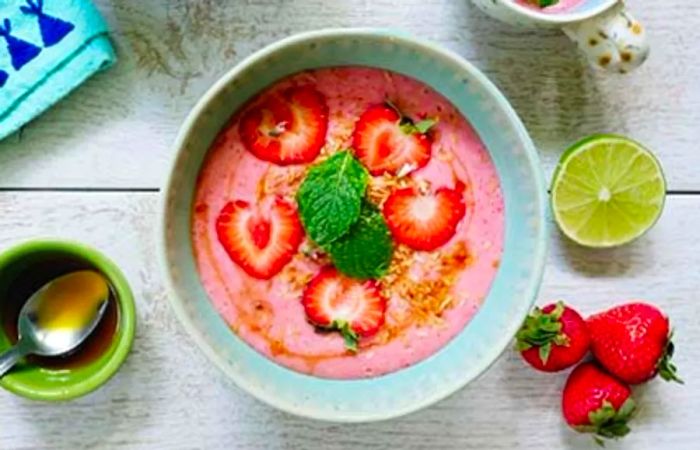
(607, 191)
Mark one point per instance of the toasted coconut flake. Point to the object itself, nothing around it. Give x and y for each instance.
(428, 295)
(405, 170)
(423, 185)
(283, 181)
(444, 154)
(309, 252)
(296, 277)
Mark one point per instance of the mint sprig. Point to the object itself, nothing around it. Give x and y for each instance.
(365, 251)
(338, 218)
(544, 3)
(330, 197)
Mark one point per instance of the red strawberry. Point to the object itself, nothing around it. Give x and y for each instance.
(595, 402)
(553, 338)
(386, 142)
(261, 241)
(633, 342)
(334, 301)
(424, 221)
(287, 128)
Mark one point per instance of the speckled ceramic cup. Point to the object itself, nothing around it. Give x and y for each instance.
(48, 384)
(604, 30)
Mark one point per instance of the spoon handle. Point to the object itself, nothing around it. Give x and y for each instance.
(10, 358)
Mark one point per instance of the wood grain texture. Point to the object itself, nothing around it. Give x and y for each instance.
(116, 131)
(168, 397)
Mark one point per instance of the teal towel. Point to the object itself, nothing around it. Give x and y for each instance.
(47, 49)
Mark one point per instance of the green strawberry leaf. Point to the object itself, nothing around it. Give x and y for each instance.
(351, 338)
(407, 125)
(330, 197)
(420, 127)
(366, 250)
(424, 125)
(541, 330)
(544, 352)
(667, 370)
(606, 423)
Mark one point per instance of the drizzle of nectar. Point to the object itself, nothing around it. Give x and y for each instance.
(71, 301)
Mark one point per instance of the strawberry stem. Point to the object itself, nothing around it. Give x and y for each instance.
(351, 338)
(542, 330)
(407, 125)
(667, 370)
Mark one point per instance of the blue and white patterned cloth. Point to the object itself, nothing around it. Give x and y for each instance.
(47, 49)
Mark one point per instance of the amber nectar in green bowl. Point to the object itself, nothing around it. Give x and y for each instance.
(23, 270)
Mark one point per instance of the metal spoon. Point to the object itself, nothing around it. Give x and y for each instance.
(59, 317)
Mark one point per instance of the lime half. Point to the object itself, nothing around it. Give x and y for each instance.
(607, 191)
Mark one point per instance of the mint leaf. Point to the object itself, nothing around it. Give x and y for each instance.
(366, 250)
(544, 3)
(330, 197)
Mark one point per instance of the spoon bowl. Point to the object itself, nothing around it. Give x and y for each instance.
(59, 316)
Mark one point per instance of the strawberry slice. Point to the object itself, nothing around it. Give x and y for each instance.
(336, 302)
(424, 221)
(387, 143)
(287, 128)
(261, 241)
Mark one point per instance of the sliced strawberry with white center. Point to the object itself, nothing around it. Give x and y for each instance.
(387, 143)
(334, 301)
(260, 240)
(424, 221)
(287, 128)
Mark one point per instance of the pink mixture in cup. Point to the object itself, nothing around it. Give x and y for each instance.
(560, 7)
(431, 295)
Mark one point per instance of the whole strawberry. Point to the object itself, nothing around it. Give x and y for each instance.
(633, 342)
(553, 338)
(595, 402)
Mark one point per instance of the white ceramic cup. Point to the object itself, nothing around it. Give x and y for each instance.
(604, 30)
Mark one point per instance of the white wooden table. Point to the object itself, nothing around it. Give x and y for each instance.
(91, 169)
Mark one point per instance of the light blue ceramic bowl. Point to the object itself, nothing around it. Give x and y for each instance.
(514, 289)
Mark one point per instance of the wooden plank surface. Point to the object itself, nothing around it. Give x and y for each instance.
(168, 396)
(116, 131)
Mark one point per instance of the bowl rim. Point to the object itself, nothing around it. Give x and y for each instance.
(127, 318)
(397, 36)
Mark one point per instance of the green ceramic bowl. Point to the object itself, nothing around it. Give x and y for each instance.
(38, 383)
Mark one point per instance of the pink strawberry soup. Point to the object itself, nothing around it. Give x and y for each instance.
(558, 7)
(422, 298)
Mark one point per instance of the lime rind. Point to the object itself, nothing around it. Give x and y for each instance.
(607, 191)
